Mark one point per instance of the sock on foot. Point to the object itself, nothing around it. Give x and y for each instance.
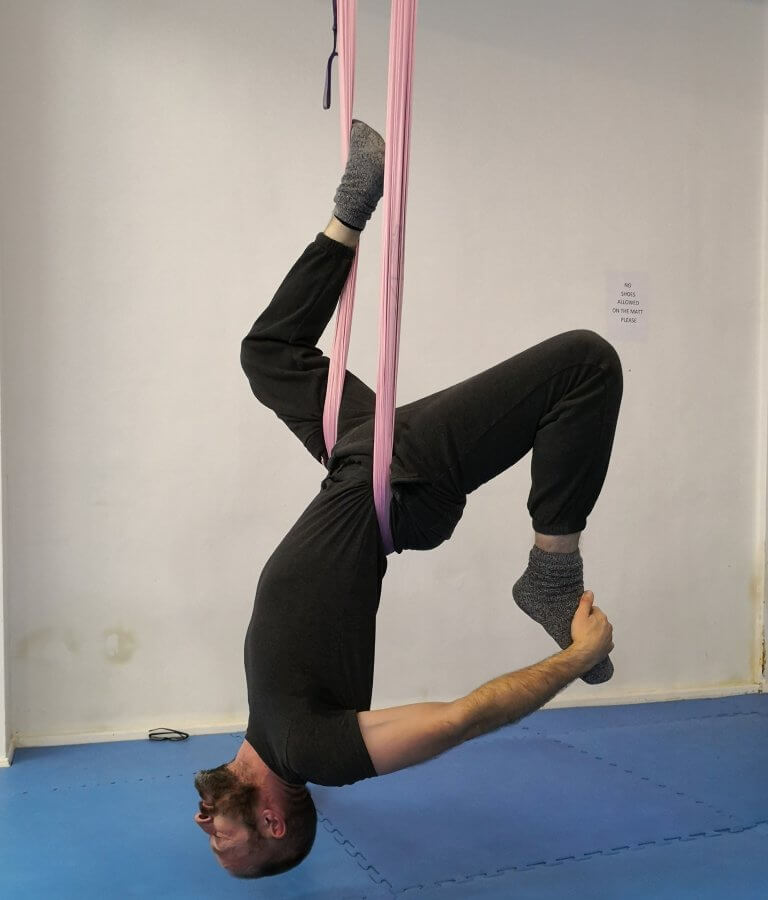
(362, 184)
(549, 592)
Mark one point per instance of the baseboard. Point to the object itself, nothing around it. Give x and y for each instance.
(560, 702)
(5, 761)
(103, 737)
(569, 701)
(661, 696)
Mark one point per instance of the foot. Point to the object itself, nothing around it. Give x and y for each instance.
(362, 184)
(549, 592)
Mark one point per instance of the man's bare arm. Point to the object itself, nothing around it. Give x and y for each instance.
(513, 696)
(403, 736)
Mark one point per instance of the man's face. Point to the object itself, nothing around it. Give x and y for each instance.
(227, 809)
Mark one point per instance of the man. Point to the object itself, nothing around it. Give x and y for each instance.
(309, 649)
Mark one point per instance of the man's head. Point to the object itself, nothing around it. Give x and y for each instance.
(255, 829)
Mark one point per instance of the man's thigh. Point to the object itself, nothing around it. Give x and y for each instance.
(453, 441)
(471, 432)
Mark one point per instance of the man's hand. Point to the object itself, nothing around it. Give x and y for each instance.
(591, 631)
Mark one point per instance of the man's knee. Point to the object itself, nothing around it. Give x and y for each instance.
(595, 347)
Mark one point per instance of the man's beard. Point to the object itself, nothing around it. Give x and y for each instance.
(222, 789)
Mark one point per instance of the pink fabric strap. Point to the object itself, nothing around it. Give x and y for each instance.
(398, 137)
(345, 35)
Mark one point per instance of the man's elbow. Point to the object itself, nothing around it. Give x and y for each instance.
(259, 359)
(460, 721)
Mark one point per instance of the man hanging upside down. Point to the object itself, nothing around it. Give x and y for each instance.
(309, 648)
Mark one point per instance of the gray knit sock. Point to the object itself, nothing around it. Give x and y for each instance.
(549, 592)
(362, 184)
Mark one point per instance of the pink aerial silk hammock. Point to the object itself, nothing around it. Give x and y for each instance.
(398, 138)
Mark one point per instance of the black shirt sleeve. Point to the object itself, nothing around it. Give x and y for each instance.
(326, 747)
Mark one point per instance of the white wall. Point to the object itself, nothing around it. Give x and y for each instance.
(165, 164)
(6, 746)
(762, 632)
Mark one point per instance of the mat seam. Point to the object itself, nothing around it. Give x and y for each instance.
(720, 812)
(370, 870)
(597, 727)
(561, 860)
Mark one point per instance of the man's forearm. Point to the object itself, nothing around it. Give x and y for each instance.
(515, 695)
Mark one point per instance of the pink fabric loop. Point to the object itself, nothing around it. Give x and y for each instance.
(346, 29)
(398, 136)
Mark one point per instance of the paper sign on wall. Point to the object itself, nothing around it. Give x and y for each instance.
(627, 306)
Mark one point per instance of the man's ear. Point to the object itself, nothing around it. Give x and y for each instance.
(274, 822)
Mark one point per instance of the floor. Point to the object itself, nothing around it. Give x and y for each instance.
(662, 800)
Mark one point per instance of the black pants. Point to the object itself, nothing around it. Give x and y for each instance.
(560, 398)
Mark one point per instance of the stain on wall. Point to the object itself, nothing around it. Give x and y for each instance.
(52, 645)
(59, 646)
(119, 645)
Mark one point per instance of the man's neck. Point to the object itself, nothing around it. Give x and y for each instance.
(249, 764)
(252, 769)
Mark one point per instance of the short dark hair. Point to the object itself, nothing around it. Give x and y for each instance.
(300, 831)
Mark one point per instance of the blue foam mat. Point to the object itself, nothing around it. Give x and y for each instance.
(640, 801)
